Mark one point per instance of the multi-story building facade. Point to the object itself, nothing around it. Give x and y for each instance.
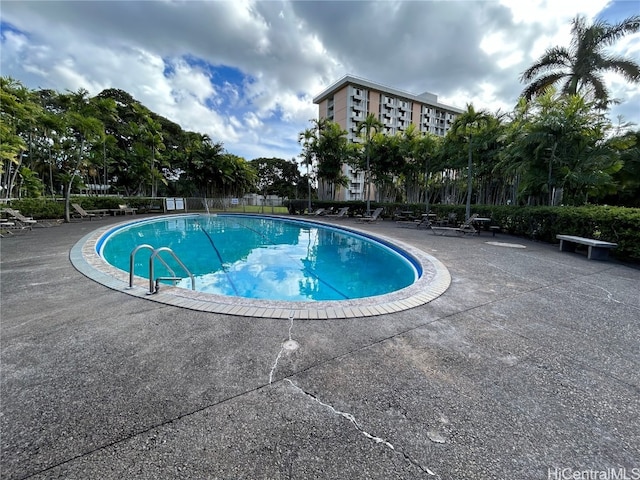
(348, 102)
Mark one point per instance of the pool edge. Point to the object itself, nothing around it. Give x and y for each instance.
(433, 282)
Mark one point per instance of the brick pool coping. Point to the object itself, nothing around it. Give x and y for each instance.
(433, 282)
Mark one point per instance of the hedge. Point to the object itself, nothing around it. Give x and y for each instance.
(620, 225)
(46, 208)
(613, 224)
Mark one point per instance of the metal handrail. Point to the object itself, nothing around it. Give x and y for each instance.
(132, 258)
(175, 257)
(154, 254)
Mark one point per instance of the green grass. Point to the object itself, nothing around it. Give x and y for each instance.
(256, 209)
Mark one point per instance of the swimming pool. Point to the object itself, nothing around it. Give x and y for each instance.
(264, 258)
(266, 265)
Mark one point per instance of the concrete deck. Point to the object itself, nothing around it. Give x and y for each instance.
(527, 367)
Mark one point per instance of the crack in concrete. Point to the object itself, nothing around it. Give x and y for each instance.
(353, 420)
(611, 298)
(282, 349)
(522, 277)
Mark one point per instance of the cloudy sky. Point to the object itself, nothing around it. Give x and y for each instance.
(245, 72)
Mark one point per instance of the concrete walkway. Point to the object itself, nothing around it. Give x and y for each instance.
(527, 367)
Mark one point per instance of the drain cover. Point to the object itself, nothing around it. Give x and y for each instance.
(291, 345)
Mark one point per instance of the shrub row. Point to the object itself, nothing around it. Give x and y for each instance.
(46, 208)
(613, 224)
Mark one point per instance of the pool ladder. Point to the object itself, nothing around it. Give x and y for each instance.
(154, 283)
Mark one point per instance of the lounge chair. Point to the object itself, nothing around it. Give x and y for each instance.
(21, 220)
(375, 216)
(319, 212)
(6, 227)
(82, 212)
(124, 209)
(425, 222)
(467, 226)
(342, 213)
(464, 228)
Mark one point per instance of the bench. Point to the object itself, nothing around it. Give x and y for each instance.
(598, 250)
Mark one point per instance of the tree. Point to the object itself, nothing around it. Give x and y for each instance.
(369, 126)
(559, 147)
(579, 69)
(276, 176)
(627, 179)
(235, 175)
(308, 139)
(85, 129)
(203, 164)
(331, 151)
(19, 114)
(424, 149)
(387, 164)
(466, 124)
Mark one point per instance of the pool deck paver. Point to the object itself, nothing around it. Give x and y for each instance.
(527, 366)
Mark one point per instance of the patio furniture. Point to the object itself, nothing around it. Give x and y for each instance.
(124, 209)
(82, 212)
(464, 228)
(375, 216)
(342, 213)
(597, 249)
(20, 219)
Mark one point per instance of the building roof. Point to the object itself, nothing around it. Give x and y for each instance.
(425, 97)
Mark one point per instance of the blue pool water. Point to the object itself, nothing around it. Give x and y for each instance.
(264, 257)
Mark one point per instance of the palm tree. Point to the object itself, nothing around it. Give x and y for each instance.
(580, 68)
(425, 148)
(307, 139)
(370, 125)
(466, 124)
(17, 113)
(331, 150)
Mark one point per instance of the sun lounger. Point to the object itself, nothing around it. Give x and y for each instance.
(20, 219)
(342, 213)
(463, 229)
(79, 211)
(124, 209)
(7, 227)
(375, 216)
(425, 222)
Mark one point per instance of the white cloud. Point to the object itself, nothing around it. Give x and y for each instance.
(252, 121)
(245, 72)
(552, 11)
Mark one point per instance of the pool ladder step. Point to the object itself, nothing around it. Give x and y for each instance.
(154, 283)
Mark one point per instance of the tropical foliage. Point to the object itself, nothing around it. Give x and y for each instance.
(556, 146)
(275, 176)
(62, 143)
(580, 68)
(556, 149)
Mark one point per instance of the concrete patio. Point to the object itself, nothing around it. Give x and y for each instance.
(527, 367)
